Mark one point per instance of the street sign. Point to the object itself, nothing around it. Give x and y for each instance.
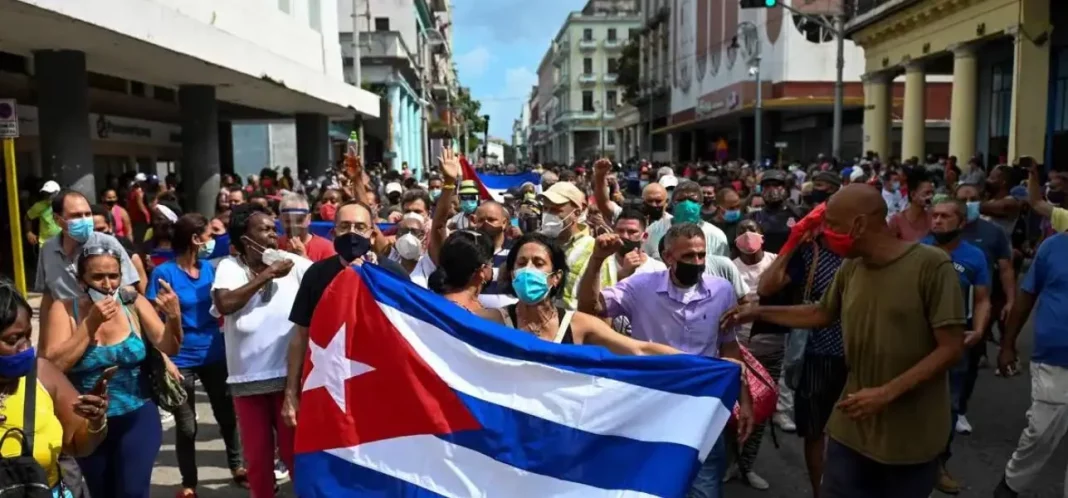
(9, 119)
(781, 145)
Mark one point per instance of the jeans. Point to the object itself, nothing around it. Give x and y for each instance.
(213, 378)
(121, 467)
(958, 380)
(709, 480)
(848, 474)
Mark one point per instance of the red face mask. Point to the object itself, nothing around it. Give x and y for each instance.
(328, 211)
(838, 243)
(266, 183)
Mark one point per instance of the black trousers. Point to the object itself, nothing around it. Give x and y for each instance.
(848, 474)
(213, 378)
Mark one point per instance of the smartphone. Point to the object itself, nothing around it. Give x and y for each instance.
(1026, 162)
(101, 386)
(97, 296)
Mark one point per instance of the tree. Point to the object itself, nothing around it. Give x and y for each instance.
(629, 70)
(470, 111)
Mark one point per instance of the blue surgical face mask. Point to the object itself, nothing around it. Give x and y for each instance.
(732, 215)
(80, 229)
(17, 365)
(895, 185)
(531, 285)
(973, 210)
(758, 189)
(514, 222)
(434, 194)
(206, 249)
(686, 212)
(468, 207)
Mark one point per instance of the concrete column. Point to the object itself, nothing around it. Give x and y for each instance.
(394, 126)
(878, 106)
(420, 151)
(915, 119)
(409, 132)
(313, 144)
(200, 147)
(226, 147)
(63, 111)
(1030, 83)
(962, 119)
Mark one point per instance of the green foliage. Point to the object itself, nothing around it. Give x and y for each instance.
(630, 69)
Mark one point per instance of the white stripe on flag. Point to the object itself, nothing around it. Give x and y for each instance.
(497, 193)
(457, 472)
(593, 404)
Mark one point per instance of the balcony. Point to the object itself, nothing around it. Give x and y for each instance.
(588, 78)
(867, 11)
(616, 44)
(611, 78)
(562, 84)
(587, 45)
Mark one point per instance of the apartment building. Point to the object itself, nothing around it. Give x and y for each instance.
(583, 63)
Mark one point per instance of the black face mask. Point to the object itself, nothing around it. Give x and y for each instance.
(818, 197)
(1055, 197)
(490, 231)
(709, 201)
(945, 237)
(628, 246)
(653, 212)
(351, 246)
(688, 274)
(111, 203)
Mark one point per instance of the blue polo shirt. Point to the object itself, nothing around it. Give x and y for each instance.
(972, 271)
(1047, 280)
(203, 342)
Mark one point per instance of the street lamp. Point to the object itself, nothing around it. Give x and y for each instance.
(600, 136)
(758, 112)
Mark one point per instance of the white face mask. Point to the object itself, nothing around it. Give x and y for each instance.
(551, 224)
(272, 256)
(409, 247)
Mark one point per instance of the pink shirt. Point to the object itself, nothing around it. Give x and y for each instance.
(907, 231)
(317, 249)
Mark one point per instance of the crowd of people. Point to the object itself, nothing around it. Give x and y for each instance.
(863, 296)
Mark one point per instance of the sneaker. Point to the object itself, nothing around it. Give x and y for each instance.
(784, 422)
(1004, 491)
(963, 427)
(280, 471)
(755, 481)
(166, 417)
(946, 483)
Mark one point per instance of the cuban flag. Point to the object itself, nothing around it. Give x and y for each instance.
(493, 187)
(406, 394)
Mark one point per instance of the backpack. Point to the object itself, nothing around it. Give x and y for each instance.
(22, 476)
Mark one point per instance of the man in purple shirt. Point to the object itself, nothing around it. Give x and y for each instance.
(680, 307)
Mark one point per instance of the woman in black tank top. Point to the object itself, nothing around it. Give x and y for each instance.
(537, 269)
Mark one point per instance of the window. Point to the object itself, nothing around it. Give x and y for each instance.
(611, 34)
(1001, 100)
(587, 34)
(613, 66)
(381, 24)
(137, 88)
(610, 98)
(587, 101)
(587, 66)
(283, 5)
(1060, 109)
(610, 137)
(315, 15)
(106, 82)
(13, 63)
(632, 33)
(164, 94)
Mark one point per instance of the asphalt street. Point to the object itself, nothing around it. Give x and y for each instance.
(997, 414)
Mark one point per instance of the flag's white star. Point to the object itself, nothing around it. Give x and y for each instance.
(331, 368)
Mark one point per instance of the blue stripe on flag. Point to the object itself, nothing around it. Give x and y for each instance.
(505, 182)
(681, 374)
(550, 449)
(330, 476)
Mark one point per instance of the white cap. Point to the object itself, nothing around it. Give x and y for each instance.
(140, 177)
(670, 181)
(50, 187)
(393, 187)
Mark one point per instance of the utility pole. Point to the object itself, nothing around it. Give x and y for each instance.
(758, 113)
(357, 70)
(485, 142)
(836, 136)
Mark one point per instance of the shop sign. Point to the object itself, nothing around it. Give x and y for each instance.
(714, 105)
(111, 128)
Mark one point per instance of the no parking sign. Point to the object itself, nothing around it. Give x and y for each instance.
(9, 119)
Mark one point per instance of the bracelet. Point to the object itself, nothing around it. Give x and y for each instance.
(448, 186)
(103, 427)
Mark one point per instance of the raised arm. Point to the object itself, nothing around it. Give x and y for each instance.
(590, 299)
(601, 168)
(166, 336)
(62, 343)
(450, 172)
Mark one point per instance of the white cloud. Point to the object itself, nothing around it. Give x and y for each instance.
(518, 80)
(474, 63)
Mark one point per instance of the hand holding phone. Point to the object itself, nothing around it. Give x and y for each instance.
(101, 386)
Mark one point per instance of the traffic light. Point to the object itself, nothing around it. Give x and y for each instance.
(759, 4)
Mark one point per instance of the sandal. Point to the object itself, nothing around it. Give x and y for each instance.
(186, 493)
(240, 477)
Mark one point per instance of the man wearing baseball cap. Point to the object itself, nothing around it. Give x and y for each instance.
(564, 218)
(41, 213)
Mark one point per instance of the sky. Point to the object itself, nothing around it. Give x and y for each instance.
(497, 46)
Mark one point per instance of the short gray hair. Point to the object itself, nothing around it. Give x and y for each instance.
(293, 200)
(682, 231)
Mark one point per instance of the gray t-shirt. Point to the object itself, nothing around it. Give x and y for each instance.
(58, 274)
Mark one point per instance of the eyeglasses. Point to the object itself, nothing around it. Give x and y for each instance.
(100, 251)
(418, 232)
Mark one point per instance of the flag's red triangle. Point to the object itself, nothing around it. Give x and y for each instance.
(402, 396)
(469, 173)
